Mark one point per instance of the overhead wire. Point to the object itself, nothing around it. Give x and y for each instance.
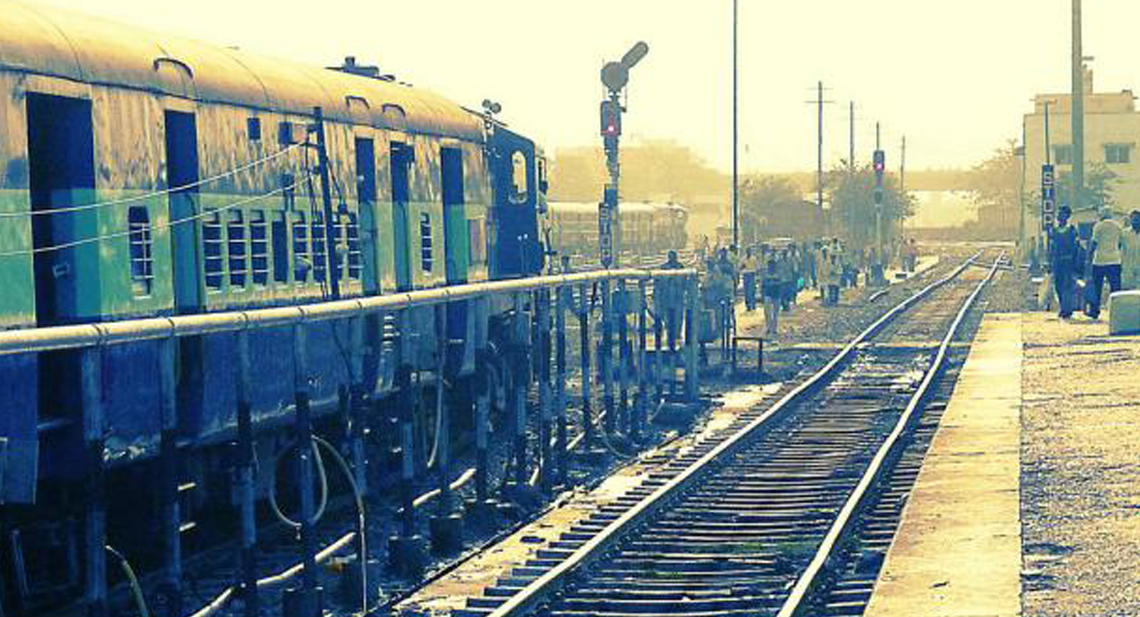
(169, 224)
(158, 193)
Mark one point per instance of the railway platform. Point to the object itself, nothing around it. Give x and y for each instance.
(1027, 499)
(958, 548)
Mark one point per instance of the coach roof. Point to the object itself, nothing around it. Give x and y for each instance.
(60, 43)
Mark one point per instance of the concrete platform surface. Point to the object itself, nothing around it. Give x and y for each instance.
(1080, 482)
(958, 548)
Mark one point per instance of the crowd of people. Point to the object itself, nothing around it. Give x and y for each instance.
(773, 274)
(1080, 267)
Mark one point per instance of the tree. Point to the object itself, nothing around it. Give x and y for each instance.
(1100, 183)
(995, 185)
(852, 199)
(761, 200)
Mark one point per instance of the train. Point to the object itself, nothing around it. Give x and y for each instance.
(647, 228)
(145, 175)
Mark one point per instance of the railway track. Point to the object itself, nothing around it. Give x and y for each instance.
(777, 514)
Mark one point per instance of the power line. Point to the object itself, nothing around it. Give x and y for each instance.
(169, 224)
(136, 198)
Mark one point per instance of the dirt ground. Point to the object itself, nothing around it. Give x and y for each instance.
(1080, 477)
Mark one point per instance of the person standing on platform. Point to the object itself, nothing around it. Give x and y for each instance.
(1130, 259)
(1106, 257)
(748, 276)
(770, 290)
(1063, 252)
(835, 270)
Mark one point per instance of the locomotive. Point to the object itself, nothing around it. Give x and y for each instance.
(147, 175)
(647, 228)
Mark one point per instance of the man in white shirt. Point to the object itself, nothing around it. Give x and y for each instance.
(1106, 257)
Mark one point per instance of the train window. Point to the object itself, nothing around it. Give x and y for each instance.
(253, 127)
(543, 183)
(280, 241)
(142, 250)
(236, 251)
(338, 248)
(320, 259)
(259, 247)
(476, 241)
(302, 259)
(212, 247)
(426, 256)
(354, 261)
(518, 178)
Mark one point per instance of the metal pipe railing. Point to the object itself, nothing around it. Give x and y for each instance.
(33, 340)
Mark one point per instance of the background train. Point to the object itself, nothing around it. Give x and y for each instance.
(647, 228)
(144, 174)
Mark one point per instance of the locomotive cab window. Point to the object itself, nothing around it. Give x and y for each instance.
(142, 249)
(519, 188)
(426, 256)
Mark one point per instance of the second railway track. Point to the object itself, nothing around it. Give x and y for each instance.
(751, 519)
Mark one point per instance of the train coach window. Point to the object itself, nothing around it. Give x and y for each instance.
(426, 257)
(253, 127)
(302, 259)
(518, 178)
(258, 247)
(354, 261)
(280, 241)
(212, 247)
(142, 249)
(319, 256)
(236, 251)
(339, 249)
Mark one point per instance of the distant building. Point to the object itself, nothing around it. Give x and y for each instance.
(1112, 128)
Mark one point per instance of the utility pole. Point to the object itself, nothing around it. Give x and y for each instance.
(735, 133)
(819, 103)
(851, 138)
(1078, 110)
(902, 167)
(332, 259)
(1048, 146)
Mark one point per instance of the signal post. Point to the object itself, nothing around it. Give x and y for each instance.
(615, 76)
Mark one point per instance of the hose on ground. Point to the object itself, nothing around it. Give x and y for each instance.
(322, 476)
(358, 499)
(129, 572)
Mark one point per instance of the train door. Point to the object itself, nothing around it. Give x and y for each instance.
(518, 249)
(61, 173)
(454, 216)
(400, 161)
(456, 253)
(182, 171)
(61, 167)
(366, 193)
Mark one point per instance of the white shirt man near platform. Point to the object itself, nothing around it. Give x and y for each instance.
(1106, 257)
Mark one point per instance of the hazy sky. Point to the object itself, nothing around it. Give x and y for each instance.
(954, 76)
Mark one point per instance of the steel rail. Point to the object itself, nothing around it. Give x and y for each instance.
(799, 598)
(538, 590)
(54, 338)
